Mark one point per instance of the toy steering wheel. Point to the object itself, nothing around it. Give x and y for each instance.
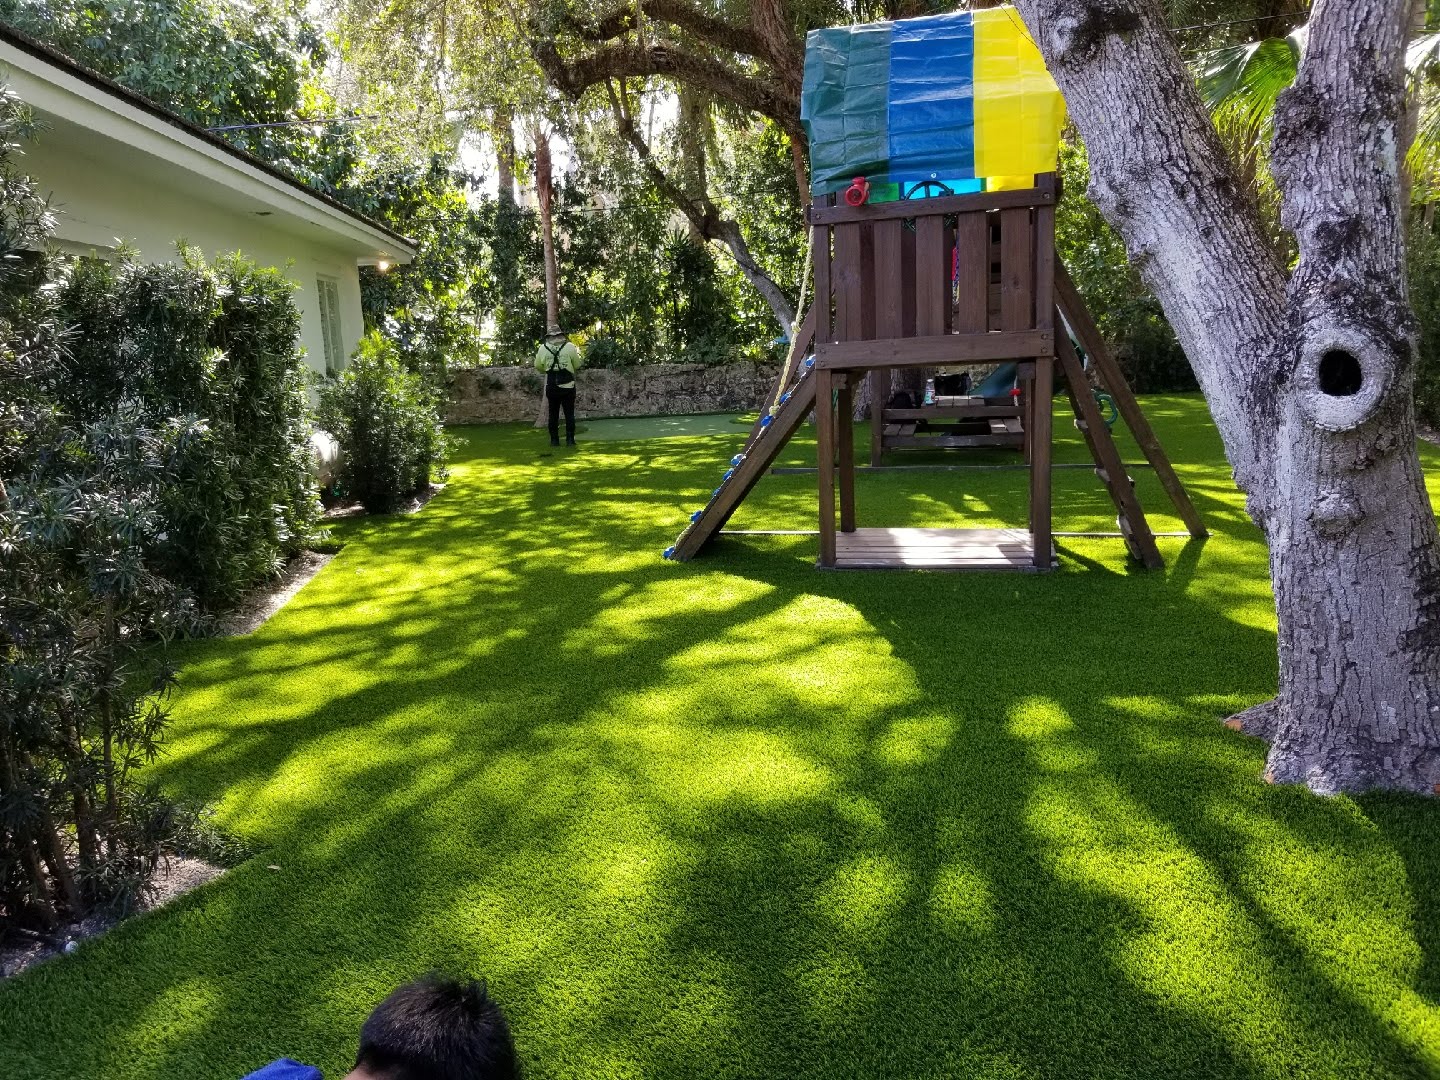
(926, 189)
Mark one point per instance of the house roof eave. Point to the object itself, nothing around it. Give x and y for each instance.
(139, 109)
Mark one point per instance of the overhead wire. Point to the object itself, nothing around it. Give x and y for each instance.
(291, 123)
(1303, 12)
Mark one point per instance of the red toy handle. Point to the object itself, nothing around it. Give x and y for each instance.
(858, 193)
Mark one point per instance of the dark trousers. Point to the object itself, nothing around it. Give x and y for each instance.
(561, 397)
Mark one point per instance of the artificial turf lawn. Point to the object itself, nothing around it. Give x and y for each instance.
(740, 818)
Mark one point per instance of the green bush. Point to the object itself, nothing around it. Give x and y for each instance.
(218, 344)
(601, 351)
(154, 425)
(699, 318)
(80, 604)
(387, 422)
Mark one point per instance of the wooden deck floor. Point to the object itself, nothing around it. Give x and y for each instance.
(935, 549)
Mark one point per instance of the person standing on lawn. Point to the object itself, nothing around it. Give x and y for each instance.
(559, 360)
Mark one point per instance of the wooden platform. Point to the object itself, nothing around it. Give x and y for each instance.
(935, 549)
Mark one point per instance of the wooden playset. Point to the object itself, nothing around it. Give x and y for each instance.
(953, 281)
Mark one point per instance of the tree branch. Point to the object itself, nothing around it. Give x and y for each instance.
(702, 213)
(1338, 156)
(779, 44)
(702, 27)
(574, 76)
(699, 211)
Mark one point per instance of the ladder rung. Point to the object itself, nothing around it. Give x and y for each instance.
(1105, 477)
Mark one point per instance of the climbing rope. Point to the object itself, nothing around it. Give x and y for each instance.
(805, 273)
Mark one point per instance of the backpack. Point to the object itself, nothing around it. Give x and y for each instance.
(563, 376)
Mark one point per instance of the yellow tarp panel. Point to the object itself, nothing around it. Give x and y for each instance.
(1018, 108)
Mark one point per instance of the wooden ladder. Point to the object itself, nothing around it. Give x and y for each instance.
(1112, 380)
(1109, 467)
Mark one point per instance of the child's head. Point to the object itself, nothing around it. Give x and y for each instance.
(436, 1029)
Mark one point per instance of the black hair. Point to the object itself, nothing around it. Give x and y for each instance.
(438, 1029)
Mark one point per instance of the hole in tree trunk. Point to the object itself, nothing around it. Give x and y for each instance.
(1340, 374)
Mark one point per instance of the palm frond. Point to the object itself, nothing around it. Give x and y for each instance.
(1240, 84)
(1423, 157)
(1252, 74)
(1423, 53)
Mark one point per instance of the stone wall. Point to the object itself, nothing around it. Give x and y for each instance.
(512, 394)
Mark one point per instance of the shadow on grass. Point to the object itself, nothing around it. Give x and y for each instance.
(739, 818)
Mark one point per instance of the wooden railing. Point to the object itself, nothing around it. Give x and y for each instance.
(954, 279)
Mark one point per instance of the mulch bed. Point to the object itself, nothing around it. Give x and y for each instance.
(174, 877)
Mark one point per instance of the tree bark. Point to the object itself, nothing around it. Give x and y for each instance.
(799, 158)
(54, 852)
(1309, 379)
(779, 44)
(751, 93)
(544, 196)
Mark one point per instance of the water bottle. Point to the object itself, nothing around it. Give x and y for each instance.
(929, 391)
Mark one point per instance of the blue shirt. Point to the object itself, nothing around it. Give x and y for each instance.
(285, 1069)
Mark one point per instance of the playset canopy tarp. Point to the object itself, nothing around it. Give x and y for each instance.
(959, 97)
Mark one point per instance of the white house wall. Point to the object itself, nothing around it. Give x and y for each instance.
(119, 173)
(98, 207)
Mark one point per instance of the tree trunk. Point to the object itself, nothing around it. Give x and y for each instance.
(728, 232)
(54, 851)
(544, 195)
(861, 407)
(1309, 380)
(693, 129)
(802, 169)
(107, 729)
(503, 134)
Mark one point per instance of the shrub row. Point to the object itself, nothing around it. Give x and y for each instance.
(154, 427)
(216, 348)
(155, 464)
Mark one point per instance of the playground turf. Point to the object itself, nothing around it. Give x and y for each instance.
(740, 818)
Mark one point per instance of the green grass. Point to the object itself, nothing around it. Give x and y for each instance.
(630, 428)
(740, 818)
